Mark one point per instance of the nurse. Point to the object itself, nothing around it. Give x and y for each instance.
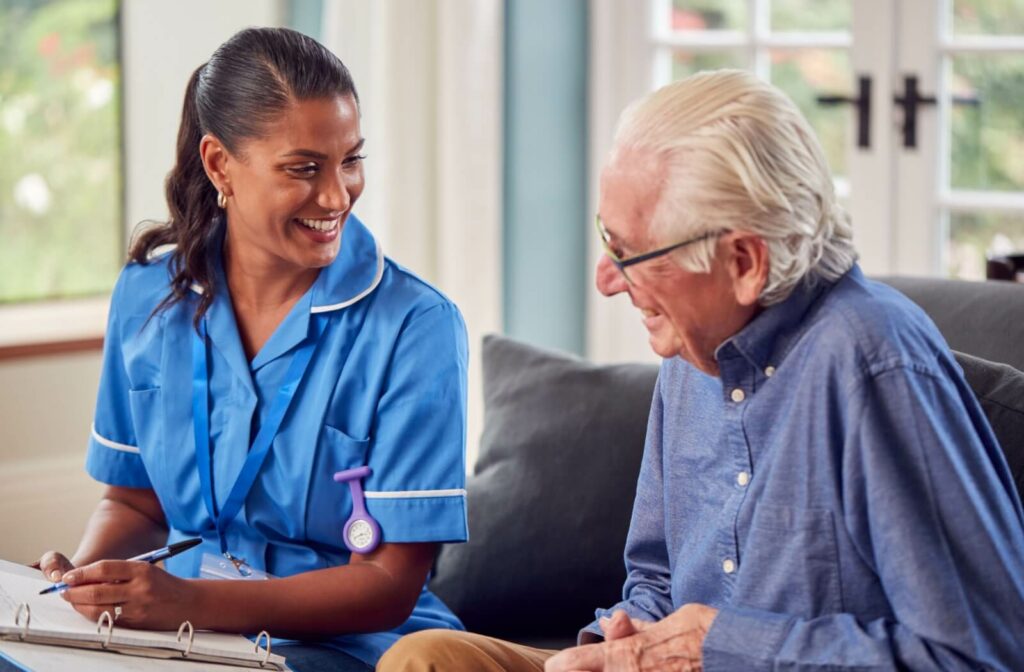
(272, 348)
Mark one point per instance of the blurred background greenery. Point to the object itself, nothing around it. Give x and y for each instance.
(60, 148)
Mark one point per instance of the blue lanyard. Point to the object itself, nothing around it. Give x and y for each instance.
(264, 438)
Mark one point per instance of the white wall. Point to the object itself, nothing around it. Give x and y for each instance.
(46, 408)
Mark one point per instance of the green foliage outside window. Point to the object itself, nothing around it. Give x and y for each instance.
(61, 230)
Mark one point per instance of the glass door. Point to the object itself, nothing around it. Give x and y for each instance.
(970, 53)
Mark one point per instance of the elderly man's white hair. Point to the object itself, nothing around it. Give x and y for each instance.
(735, 153)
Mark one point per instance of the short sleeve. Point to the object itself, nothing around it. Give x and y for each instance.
(113, 455)
(418, 450)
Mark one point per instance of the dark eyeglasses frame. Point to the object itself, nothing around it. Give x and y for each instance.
(623, 263)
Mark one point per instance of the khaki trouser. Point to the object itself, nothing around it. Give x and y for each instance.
(456, 651)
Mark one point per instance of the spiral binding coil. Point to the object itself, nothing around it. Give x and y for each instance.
(266, 652)
(191, 637)
(28, 619)
(110, 627)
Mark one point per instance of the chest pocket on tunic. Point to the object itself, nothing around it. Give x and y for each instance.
(789, 562)
(329, 503)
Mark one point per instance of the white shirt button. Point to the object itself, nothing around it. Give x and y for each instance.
(738, 395)
(743, 478)
(769, 371)
(728, 566)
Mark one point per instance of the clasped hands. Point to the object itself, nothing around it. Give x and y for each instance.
(673, 644)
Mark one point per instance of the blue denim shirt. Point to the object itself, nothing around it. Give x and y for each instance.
(837, 494)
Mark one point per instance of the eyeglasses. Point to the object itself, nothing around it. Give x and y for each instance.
(623, 263)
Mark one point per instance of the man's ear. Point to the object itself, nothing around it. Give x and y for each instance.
(748, 266)
(215, 161)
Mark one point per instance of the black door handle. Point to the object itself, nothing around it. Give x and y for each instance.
(863, 104)
(912, 99)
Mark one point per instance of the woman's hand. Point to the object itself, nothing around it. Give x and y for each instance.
(148, 596)
(54, 565)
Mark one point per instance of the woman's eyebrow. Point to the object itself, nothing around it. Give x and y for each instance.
(311, 154)
(306, 153)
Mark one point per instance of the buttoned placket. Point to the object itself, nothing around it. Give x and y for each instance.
(738, 378)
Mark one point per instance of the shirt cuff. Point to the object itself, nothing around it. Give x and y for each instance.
(115, 464)
(593, 628)
(407, 519)
(744, 639)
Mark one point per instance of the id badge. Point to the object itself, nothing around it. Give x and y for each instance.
(229, 567)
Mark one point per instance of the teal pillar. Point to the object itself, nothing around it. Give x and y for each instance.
(545, 172)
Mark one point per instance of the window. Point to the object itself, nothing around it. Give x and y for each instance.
(61, 221)
(934, 206)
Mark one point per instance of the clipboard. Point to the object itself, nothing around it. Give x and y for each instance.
(34, 619)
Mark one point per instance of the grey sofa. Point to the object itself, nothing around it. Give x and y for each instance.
(552, 492)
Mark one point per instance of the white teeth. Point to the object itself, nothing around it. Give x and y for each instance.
(320, 224)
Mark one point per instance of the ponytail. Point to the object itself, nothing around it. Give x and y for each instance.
(195, 219)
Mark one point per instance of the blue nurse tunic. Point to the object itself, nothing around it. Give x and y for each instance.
(386, 387)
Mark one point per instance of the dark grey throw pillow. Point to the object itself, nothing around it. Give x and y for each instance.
(551, 496)
(1000, 389)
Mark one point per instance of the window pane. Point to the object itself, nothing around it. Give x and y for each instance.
(988, 17)
(805, 74)
(708, 15)
(972, 235)
(60, 138)
(686, 63)
(987, 123)
(810, 15)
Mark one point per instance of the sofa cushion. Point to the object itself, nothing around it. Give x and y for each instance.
(981, 318)
(1000, 389)
(551, 496)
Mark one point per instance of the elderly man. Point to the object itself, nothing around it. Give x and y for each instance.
(819, 489)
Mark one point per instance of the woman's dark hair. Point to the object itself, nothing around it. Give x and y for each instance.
(248, 83)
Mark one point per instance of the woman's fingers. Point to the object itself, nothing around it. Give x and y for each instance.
(54, 565)
(97, 594)
(103, 571)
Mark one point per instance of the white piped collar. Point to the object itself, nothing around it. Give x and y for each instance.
(352, 276)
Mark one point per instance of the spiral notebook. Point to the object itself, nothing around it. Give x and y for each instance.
(27, 616)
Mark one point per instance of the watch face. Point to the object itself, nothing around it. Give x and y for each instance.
(360, 534)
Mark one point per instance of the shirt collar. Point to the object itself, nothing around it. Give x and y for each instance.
(767, 339)
(352, 276)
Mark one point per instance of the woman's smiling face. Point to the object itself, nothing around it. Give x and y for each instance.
(291, 190)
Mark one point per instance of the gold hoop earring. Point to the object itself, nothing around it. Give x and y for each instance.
(222, 200)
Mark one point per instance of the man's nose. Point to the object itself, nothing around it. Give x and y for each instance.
(608, 278)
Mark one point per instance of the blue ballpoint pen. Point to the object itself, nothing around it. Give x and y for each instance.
(151, 557)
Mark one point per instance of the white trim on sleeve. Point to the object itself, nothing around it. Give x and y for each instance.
(112, 444)
(409, 494)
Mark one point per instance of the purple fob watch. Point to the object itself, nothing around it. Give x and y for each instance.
(361, 533)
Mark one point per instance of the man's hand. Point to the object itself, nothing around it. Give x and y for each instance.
(620, 626)
(671, 645)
